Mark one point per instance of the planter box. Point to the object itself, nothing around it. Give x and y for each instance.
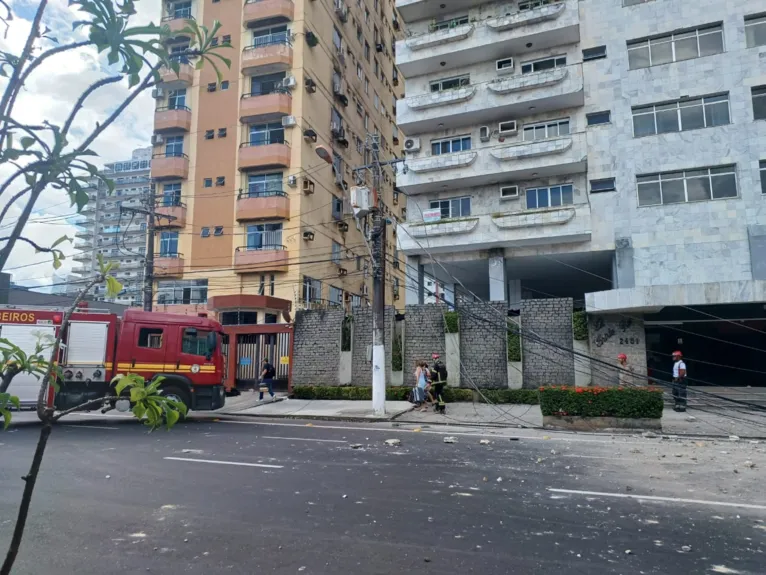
(576, 423)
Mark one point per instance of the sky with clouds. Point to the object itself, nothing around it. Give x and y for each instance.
(49, 95)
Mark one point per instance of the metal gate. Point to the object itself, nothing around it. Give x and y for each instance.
(254, 344)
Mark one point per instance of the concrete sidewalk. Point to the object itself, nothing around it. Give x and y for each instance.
(340, 410)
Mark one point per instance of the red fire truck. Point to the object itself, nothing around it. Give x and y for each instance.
(97, 345)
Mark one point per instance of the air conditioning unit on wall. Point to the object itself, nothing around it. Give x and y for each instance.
(412, 144)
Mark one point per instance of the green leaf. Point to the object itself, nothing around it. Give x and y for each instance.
(26, 142)
(15, 401)
(56, 260)
(139, 410)
(137, 394)
(171, 417)
(113, 287)
(6, 418)
(81, 198)
(60, 241)
(30, 179)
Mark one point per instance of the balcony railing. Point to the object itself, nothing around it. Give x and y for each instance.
(262, 247)
(261, 194)
(282, 38)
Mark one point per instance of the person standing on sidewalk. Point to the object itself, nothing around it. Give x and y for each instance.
(438, 381)
(679, 382)
(267, 378)
(421, 380)
(626, 371)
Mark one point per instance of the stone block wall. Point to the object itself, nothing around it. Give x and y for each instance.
(483, 344)
(423, 335)
(316, 353)
(611, 335)
(543, 364)
(361, 337)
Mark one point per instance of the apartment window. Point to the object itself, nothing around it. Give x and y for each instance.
(550, 197)
(336, 251)
(179, 52)
(359, 35)
(181, 9)
(448, 24)
(366, 50)
(265, 134)
(634, 2)
(687, 186)
(375, 67)
(214, 41)
(359, 108)
(224, 85)
(212, 87)
(171, 194)
(264, 236)
(531, 4)
(174, 146)
(450, 145)
(376, 101)
(359, 145)
(168, 244)
(204, 232)
(218, 231)
(703, 41)
(596, 53)
(336, 296)
(366, 15)
(209, 134)
(337, 208)
(312, 289)
(272, 35)
(366, 85)
(359, 72)
(207, 182)
(266, 84)
(220, 181)
(543, 130)
(262, 285)
(762, 166)
(260, 185)
(221, 132)
(681, 116)
(755, 30)
(360, 261)
(759, 102)
(337, 39)
(453, 207)
(366, 122)
(226, 38)
(605, 185)
(597, 118)
(450, 83)
(181, 291)
(177, 99)
(270, 317)
(543, 64)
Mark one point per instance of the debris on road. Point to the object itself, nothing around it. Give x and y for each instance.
(484, 442)
(108, 477)
(356, 446)
(194, 451)
(393, 442)
(686, 548)
(734, 438)
(450, 439)
(649, 434)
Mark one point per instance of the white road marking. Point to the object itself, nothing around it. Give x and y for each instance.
(673, 461)
(434, 432)
(86, 426)
(240, 463)
(110, 415)
(658, 498)
(304, 439)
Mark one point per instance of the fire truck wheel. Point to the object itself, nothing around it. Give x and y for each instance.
(177, 394)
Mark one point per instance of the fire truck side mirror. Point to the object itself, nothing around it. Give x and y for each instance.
(212, 340)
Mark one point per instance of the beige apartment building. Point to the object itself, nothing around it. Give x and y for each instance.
(251, 207)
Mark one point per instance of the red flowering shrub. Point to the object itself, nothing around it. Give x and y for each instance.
(644, 402)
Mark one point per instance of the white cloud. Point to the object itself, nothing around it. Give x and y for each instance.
(49, 95)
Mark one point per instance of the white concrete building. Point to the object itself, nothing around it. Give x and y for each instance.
(612, 151)
(118, 235)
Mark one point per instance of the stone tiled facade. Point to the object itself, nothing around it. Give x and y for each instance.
(423, 336)
(542, 364)
(483, 345)
(316, 352)
(361, 339)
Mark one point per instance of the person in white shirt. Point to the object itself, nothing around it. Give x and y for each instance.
(626, 371)
(679, 381)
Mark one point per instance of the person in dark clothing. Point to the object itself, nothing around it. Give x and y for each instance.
(438, 382)
(267, 378)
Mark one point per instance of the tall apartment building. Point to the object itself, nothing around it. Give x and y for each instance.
(254, 209)
(611, 151)
(118, 235)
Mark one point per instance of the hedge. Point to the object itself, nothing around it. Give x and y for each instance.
(396, 353)
(514, 342)
(451, 394)
(580, 325)
(602, 402)
(450, 322)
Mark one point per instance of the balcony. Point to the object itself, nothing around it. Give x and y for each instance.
(512, 229)
(487, 103)
(172, 80)
(494, 163)
(257, 156)
(170, 166)
(268, 205)
(269, 55)
(83, 256)
(168, 265)
(269, 258)
(265, 107)
(170, 214)
(263, 12)
(487, 39)
(176, 119)
(176, 23)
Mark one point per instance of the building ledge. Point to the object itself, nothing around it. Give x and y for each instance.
(423, 101)
(651, 299)
(445, 162)
(528, 81)
(532, 149)
(541, 14)
(531, 218)
(443, 228)
(440, 37)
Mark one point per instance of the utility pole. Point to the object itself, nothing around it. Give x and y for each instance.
(378, 287)
(151, 226)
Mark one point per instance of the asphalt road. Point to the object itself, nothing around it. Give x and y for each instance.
(253, 497)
